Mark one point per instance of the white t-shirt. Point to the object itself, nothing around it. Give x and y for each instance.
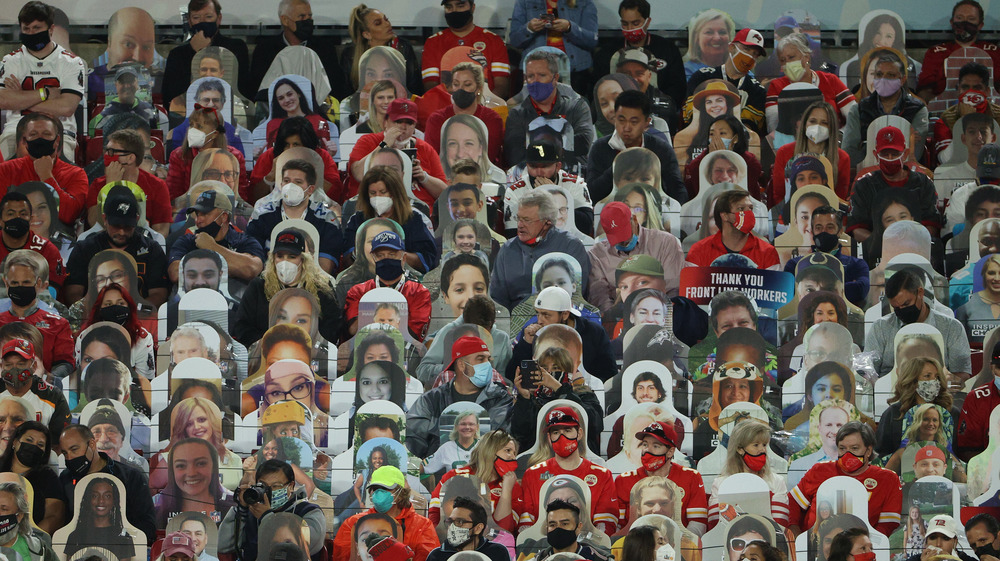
(60, 71)
(448, 457)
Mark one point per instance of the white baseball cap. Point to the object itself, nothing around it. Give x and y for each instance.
(556, 299)
(942, 524)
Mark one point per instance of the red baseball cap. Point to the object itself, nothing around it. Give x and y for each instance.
(928, 452)
(465, 346)
(890, 137)
(400, 109)
(564, 416)
(751, 38)
(177, 542)
(664, 433)
(22, 348)
(616, 219)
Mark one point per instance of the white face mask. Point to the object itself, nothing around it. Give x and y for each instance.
(817, 133)
(458, 537)
(665, 553)
(292, 194)
(381, 204)
(196, 138)
(287, 271)
(928, 389)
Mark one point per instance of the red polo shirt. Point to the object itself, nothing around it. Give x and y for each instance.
(709, 249)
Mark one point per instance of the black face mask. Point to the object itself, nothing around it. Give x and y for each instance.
(212, 229)
(116, 314)
(561, 538)
(908, 314)
(304, 29)
(30, 455)
(21, 296)
(80, 465)
(826, 242)
(35, 41)
(208, 28)
(964, 31)
(458, 20)
(986, 549)
(463, 98)
(16, 228)
(40, 147)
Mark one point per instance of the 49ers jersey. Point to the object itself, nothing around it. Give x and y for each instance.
(61, 72)
(573, 184)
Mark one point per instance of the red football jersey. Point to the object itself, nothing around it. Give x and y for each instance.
(603, 504)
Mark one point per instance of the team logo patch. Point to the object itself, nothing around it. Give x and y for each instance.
(870, 483)
(495, 492)
(590, 480)
(479, 45)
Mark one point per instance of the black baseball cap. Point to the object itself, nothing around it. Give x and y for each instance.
(121, 209)
(209, 201)
(291, 241)
(543, 152)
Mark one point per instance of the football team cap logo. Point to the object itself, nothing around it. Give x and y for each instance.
(123, 208)
(287, 237)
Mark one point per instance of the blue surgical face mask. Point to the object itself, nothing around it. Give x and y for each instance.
(629, 245)
(481, 373)
(781, 139)
(540, 91)
(382, 500)
(727, 142)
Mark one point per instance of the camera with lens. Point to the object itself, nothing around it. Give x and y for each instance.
(255, 494)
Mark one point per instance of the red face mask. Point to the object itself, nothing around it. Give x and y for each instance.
(635, 36)
(890, 167)
(976, 99)
(745, 221)
(653, 462)
(564, 447)
(503, 466)
(867, 556)
(109, 159)
(755, 462)
(850, 463)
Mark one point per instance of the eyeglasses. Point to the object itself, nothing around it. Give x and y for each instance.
(116, 277)
(638, 210)
(523, 220)
(298, 391)
(215, 175)
(116, 152)
(460, 522)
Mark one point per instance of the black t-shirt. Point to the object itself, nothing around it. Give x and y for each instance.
(456, 397)
(115, 541)
(45, 485)
(150, 261)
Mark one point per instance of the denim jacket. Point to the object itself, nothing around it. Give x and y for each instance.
(579, 42)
